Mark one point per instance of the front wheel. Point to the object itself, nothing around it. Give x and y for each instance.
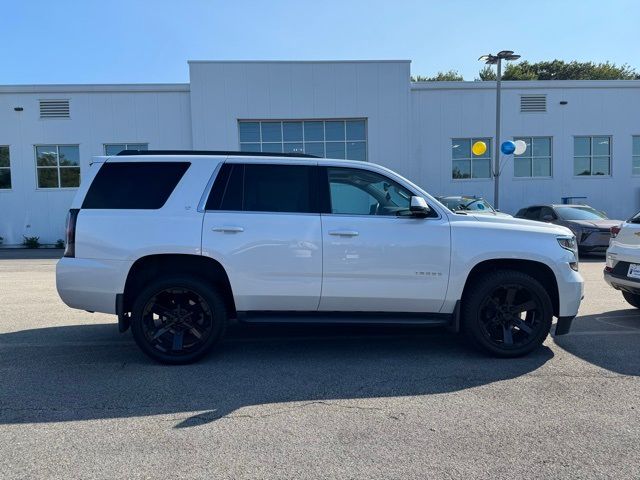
(507, 313)
(178, 320)
(632, 299)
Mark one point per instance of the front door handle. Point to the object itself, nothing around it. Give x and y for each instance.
(228, 229)
(344, 233)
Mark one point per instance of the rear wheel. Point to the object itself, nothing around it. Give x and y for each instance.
(507, 313)
(632, 299)
(178, 320)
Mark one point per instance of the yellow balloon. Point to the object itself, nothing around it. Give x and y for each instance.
(479, 148)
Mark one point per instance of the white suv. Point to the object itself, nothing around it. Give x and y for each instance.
(177, 243)
(622, 271)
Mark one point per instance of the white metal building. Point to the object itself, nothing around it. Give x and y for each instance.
(583, 136)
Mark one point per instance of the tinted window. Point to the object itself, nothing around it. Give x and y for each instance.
(139, 185)
(546, 211)
(533, 213)
(278, 188)
(580, 213)
(362, 192)
(264, 188)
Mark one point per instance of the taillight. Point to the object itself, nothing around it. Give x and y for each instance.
(615, 230)
(70, 244)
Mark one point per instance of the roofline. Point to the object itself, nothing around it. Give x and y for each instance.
(209, 153)
(525, 84)
(294, 61)
(97, 88)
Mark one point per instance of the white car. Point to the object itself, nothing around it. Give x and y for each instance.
(178, 243)
(622, 270)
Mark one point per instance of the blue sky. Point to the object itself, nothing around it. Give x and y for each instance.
(120, 41)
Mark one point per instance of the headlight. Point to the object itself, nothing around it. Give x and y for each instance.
(568, 243)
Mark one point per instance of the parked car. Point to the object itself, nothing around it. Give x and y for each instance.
(622, 270)
(176, 244)
(470, 204)
(591, 227)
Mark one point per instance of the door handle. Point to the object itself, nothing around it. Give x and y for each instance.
(228, 229)
(344, 233)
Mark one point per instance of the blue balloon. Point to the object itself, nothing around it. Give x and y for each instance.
(508, 147)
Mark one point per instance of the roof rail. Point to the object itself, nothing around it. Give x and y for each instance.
(213, 152)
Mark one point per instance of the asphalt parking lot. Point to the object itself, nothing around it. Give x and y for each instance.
(78, 400)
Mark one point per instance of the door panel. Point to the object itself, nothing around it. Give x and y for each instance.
(274, 261)
(384, 264)
(376, 256)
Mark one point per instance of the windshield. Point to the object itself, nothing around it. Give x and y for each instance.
(580, 213)
(457, 204)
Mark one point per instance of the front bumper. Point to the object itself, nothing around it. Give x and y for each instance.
(594, 241)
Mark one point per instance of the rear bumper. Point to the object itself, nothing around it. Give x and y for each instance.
(91, 284)
(622, 283)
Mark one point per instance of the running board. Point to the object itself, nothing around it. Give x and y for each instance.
(348, 318)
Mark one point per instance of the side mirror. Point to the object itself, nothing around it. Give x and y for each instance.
(547, 218)
(419, 207)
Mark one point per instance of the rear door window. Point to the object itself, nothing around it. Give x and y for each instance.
(134, 185)
(265, 188)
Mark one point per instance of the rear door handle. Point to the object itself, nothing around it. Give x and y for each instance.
(344, 233)
(228, 229)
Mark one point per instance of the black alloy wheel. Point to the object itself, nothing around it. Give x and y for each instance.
(510, 315)
(507, 313)
(178, 320)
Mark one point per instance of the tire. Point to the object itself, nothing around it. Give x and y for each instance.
(178, 320)
(632, 299)
(506, 313)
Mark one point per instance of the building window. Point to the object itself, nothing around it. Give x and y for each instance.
(635, 154)
(5, 168)
(116, 148)
(591, 156)
(322, 138)
(58, 166)
(467, 165)
(536, 160)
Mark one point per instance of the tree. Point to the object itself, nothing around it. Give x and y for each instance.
(561, 70)
(448, 76)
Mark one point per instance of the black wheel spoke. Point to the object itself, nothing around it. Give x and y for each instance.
(518, 322)
(507, 335)
(525, 307)
(178, 340)
(511, 295)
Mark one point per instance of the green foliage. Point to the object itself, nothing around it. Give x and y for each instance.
(487, 74)
(561, 70)
(31, 242)
(59, 243)
(448, 76)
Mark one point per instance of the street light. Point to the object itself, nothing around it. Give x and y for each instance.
(491, 59)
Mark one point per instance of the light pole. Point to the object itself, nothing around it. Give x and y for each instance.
(496, 59)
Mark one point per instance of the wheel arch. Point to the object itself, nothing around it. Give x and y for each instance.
(151, 267)
(538, 270)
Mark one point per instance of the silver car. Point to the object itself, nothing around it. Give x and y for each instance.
(470, 204)
(591, 227)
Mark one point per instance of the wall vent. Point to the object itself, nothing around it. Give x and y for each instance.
(54, 108)
(533, 103)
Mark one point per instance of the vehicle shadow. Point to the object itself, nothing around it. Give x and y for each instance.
(91, 372)
(609, 340)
